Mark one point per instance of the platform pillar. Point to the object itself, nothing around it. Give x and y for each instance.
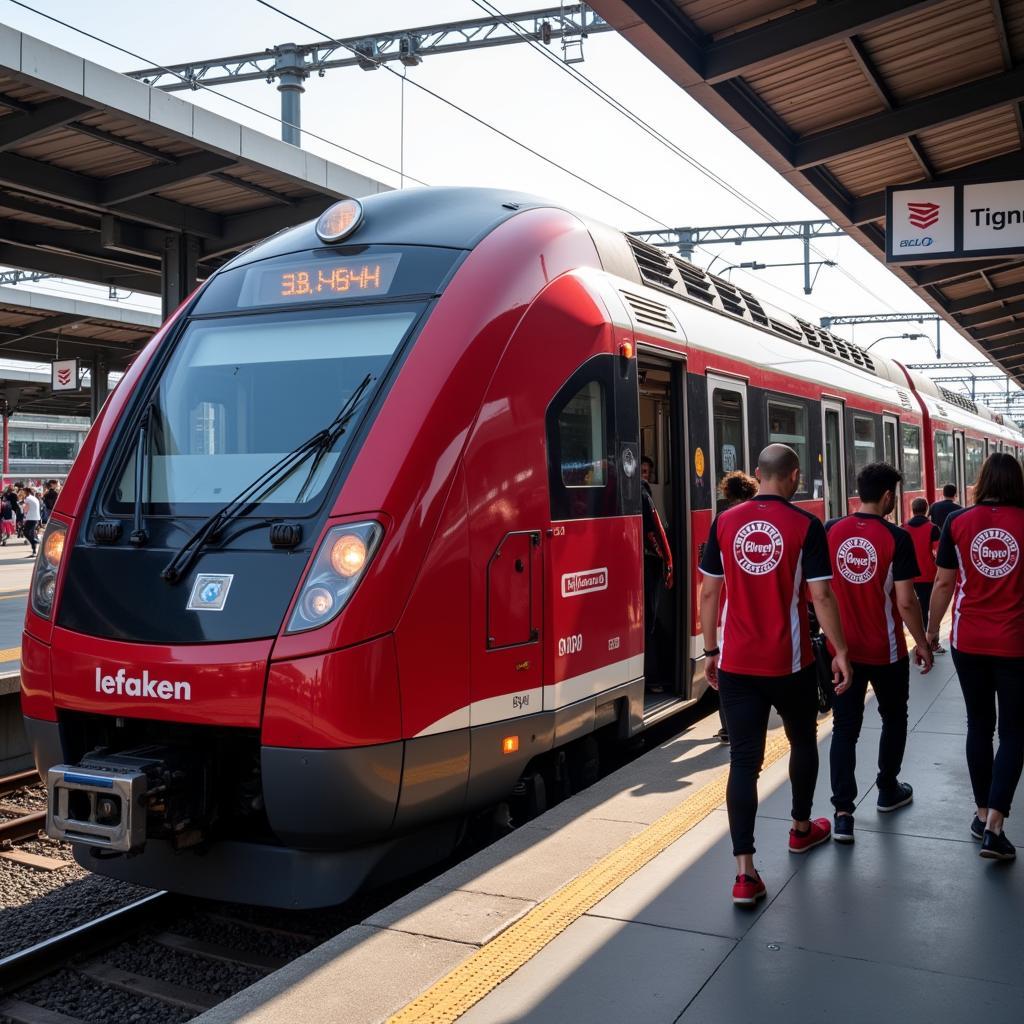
(178, 270)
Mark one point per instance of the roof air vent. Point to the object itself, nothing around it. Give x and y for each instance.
(651, 314)
(654, 264)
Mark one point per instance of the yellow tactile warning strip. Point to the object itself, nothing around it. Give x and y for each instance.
(8, 596)
(9, 654)
(464, 986)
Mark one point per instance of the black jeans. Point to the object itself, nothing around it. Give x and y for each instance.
(987, 680)
(30, 532)
(924, 597)
(891, 684)
(747, 702)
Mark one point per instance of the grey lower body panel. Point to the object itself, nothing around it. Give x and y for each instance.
(44, 739)
(275, 876)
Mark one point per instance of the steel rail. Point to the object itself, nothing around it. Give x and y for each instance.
(22, 968)
(9, 783)
(23, 827)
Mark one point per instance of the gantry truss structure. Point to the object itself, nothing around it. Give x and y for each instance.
(290, 64)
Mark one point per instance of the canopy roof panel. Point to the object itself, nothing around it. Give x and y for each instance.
(847, 97)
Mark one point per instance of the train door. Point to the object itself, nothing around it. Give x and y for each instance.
(891, 455)
(665, 610)
(730, 446)
(835, 458)
(958, 464)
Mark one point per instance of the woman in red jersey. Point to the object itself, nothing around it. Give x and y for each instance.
(981, 551)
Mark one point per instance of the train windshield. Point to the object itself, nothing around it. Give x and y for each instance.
(241, 392)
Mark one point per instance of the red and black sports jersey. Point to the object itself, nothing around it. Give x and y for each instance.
(869, 554)
(925, 535)
(766, 549)
(984, 544)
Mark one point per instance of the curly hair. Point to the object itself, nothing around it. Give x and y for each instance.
(737, 486)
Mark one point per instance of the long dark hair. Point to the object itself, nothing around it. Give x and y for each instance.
(1000, 481)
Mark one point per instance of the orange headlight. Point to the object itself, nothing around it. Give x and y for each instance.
(53, 549)
(339, 220)
(348, 555)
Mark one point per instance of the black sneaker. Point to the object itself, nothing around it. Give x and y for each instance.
(842, 830)
(978, 828)
(997, 847)
(893, 799)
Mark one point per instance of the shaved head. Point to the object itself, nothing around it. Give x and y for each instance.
(777, 461)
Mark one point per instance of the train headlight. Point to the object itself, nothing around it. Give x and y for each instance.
(339, 220)
(44, 578)
(339, 565)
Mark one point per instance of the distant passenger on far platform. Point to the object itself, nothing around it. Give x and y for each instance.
(763, 551)
(980, 555)
(925, 535)
(941, 509)
(31, 505)
(734, 487)
(874, 567)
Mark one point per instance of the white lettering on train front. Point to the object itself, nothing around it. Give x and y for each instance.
(123, 685)
(570, 644)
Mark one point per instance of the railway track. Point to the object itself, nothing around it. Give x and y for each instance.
(18, 823)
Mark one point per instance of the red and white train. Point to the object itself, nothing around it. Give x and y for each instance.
(355, 545)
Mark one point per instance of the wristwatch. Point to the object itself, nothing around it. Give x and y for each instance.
(712, 653)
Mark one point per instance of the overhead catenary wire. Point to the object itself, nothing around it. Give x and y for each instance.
(401, 173)
(626, 111)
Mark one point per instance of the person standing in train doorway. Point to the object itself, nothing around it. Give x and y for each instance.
(764, 551)
(939, 512)
(658, 573)
(875, 566)
(980, 553)
(925, 535)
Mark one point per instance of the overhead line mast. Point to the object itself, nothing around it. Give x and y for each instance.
(290, 64)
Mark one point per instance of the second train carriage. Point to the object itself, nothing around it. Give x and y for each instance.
(278, 697)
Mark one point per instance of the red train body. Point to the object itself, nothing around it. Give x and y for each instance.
(261, 723)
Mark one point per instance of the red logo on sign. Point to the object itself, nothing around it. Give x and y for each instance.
(923, 215)
(64, 376)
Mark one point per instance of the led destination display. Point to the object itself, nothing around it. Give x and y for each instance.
(318, 280)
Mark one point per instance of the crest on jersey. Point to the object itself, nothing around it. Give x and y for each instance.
(995, 553)
(758, 548)
(857, 559)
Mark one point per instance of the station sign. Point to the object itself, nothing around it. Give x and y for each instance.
(64, 375)
(957, 221)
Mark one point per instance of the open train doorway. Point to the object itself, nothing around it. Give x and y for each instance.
(663, 462)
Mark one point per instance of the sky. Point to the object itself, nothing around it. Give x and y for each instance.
(622, 175)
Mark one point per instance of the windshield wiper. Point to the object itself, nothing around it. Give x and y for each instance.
(139, 534)
(317, 446)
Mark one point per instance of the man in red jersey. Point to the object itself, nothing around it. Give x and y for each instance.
(767, 551)
(925, 535)
(875, 567)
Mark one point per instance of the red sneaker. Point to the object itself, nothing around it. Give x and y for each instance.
(747, 891)
(818, 833)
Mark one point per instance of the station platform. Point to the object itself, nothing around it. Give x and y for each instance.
(615, 906)
(15, 577)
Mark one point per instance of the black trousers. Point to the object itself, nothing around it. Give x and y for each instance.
(988, 681)
(31, 526)
(746, 703)
(891, 684)
(924, 598)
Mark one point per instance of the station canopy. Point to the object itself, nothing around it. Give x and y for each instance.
(108, 180)
(847, 97)
(37, 327)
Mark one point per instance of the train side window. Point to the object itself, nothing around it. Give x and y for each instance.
(865, 447)
(581, 441)
(787, 424)
(945, 469)
(582, 432)
(910, 437)
(975, 451)
(728, 419)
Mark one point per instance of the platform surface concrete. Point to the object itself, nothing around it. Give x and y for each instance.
(906, 924)
(15, 576)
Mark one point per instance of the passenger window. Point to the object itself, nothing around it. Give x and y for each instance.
(582, 431)
(864, 445)
(945, 471)
(975, 457)
(787, 424)
(727, 416)
(911, 441)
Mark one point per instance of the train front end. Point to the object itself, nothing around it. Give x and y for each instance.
(210, 676)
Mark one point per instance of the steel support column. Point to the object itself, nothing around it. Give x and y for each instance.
(290, 70)
(178, 270)
(98, 378)
(7, 445)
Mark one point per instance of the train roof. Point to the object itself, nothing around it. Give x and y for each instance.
(459, 218)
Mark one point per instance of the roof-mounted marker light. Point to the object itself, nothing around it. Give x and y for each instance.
(339, 221)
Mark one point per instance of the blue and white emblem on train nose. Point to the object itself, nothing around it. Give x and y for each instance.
(209, 592)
